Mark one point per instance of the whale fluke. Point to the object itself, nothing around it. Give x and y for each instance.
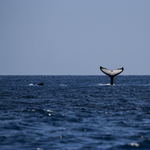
(110, 73)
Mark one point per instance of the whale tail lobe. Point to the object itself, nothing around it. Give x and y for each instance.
(110, 73)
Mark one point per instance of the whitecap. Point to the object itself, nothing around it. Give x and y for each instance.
(30, 84)
(134, 144)
(103, 84)
(49, 111)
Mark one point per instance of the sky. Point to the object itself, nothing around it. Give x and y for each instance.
(74, 37)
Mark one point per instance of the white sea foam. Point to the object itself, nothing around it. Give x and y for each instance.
(49, 111)
(30, 84)
(134, 144)
(103, 84)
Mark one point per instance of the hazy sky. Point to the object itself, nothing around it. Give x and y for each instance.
(74, 37)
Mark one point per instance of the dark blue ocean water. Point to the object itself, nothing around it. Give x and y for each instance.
(74, 113)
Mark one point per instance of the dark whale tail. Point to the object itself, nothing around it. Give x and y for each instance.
(110, 73)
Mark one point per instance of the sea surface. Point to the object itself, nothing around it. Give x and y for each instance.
(74, 113)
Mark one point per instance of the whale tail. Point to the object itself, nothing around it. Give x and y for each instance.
(110, 73)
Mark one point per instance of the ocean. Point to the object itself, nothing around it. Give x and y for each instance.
(74, 113)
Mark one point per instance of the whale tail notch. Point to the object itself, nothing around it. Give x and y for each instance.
(110, 73)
